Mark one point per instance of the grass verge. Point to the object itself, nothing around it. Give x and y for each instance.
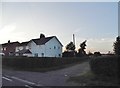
(90, 79)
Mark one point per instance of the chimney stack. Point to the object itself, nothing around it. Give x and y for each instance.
(42, 36)
(8, 41)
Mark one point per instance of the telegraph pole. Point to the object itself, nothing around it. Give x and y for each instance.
(74, 42)
(73, 39)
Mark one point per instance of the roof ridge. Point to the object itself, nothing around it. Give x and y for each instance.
(10, 42)
(41, 41)
(45, 37)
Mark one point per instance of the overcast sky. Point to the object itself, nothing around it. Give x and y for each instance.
(96, 22)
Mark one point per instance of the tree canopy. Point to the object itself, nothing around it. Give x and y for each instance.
(81, 50)
(83, 44)
(70, 46)
(117, 46)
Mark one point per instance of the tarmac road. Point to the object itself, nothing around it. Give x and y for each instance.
(51, 78)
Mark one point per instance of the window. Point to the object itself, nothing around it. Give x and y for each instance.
(54, 47)
(42, 54)
(20, 48)
(27, 47)
(36, 54)
(4, 48)
(58, 47)
(59, 55)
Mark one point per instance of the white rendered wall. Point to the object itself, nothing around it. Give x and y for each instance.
(52, 50)
(36, 49)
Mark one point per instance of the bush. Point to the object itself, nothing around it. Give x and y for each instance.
(97, 54)
(68, 54)
(107, 66)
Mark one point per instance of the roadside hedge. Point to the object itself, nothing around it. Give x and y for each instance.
(105, 65)
(38, 62)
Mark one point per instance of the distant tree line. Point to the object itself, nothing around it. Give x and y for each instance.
(71, 52)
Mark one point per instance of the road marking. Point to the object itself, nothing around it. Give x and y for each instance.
(7, 79)
(25, 81)
(66, 75)
(33, 87)
(28, 86)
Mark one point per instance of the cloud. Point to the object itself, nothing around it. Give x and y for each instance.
(7, 29)
(8, 33)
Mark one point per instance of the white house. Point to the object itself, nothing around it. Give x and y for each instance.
(41, 47)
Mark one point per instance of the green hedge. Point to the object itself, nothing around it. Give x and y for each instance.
(105, 65)
(35, 62)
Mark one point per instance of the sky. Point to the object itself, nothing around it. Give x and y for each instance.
(96, 22)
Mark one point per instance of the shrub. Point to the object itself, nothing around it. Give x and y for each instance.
(107, 66)
(97, 54)
(68, 54)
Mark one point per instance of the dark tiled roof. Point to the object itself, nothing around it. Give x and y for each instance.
(24, 43)
(8, 44)
(38, 41)
(24, 51)
(42, 41)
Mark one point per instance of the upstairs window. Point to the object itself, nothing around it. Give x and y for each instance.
(58, 47)
(5, 48)
(21, 48)
(27, 47)
(54, 47)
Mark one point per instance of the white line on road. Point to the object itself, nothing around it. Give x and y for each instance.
(22, 80)
(7, 79)
(28, 86)
(25, 81)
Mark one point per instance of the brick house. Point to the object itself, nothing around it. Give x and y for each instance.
(9, 48)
